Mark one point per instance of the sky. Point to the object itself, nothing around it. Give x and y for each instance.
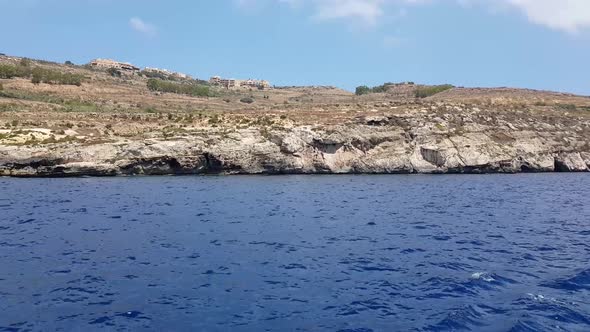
(539, 44)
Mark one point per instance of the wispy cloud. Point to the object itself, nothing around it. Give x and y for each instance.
(564, 15)
(365, 11)
(143, 27)
(567, 15)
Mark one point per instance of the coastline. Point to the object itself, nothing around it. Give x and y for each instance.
(116, 126)
(351, 149)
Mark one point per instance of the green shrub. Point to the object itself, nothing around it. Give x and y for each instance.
(380, 88)
(41, 75)
(69, 63)
(247, 100)
(196, 90)
(11, 71)
(78, 106)
(1, 87)
(567, 107)
(362, 90)
(427, 91)
(36, 79)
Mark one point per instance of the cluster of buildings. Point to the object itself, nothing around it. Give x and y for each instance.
(129, 69)
(230, 83)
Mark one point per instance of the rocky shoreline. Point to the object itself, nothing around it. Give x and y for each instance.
(106, 125)
(375, 145)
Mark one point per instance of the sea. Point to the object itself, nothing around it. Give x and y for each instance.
(338, 253)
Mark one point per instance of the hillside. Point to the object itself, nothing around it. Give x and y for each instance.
(82, 121)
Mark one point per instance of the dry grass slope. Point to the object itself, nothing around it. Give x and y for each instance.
(102, 107)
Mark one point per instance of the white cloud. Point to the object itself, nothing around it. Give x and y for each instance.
(366, 11)
(565, 15)
(141, 26)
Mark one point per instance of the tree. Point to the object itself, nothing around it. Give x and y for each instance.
(69, 63)
(362, 90)
(380, 88)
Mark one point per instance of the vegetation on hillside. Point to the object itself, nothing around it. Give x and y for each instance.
(197, 90)
(427, 91)
(421, 91)
(572, 107)
(247, 100)
(153, 74)
(38, 74)
(363, 89)
(41, 75)
(12, 71)
(25, 62)
(171, 77)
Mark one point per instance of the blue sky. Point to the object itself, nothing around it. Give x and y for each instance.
(542, 44)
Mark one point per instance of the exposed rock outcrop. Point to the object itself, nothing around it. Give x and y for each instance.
(570, 162)
(378, 145)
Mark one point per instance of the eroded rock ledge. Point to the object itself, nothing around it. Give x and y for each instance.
(375, 145)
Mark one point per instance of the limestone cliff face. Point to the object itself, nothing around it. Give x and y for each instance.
(456, 143)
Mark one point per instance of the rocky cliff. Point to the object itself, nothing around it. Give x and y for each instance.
(439, 139)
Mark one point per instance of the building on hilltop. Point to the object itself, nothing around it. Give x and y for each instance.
(233, 83)
(224, 82)
(259, 84)
(215, 80)
(107, 64)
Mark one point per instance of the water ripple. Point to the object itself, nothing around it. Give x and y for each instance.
(296, 253)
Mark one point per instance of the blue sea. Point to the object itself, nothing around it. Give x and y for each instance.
(296, 253)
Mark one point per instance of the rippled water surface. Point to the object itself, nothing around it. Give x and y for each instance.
(296, 253)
